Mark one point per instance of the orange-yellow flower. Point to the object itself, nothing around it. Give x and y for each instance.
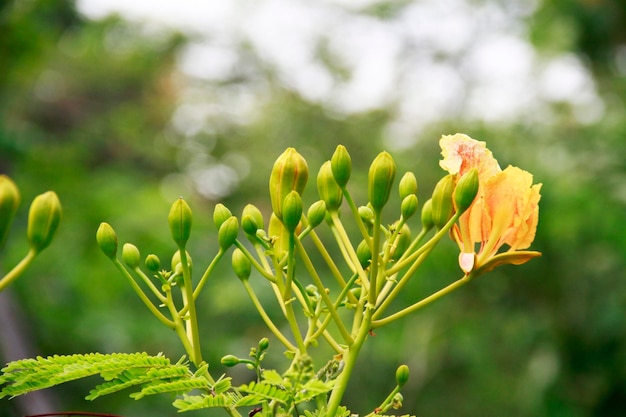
(505, 211)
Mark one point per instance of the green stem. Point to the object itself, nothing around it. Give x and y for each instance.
(150, 285)
(263, 269)
(350, 357)
(424, 302)
(207, 273)
(190, 306)
(17, 269)
(357, 218)
(375, 260)
(286, 293)
(169, 323)
(266, 319)
(322, 291)
(345, 240)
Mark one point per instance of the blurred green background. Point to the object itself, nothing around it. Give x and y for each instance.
(121, 114)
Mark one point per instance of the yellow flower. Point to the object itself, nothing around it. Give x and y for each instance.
(505, 211)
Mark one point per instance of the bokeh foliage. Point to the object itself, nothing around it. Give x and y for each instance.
(86, 109)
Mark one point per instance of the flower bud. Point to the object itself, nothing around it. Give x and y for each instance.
(364, 254)
(230, 360)
(9, 201)
(408, 185)
(409, 206)
(241, 264)
(179, 220)
(442, 201)
(130, 255)
(176, 264)
(402, 375)
(396, 402)
(366, 214)
(427, 215)
(107, 240)
(466, 190)
(153, 263)
(228, 232)
(221, 213)
(380, 179)
(264, 344)
(43, 220)
(328, 188)
(292, 211)
(341, 165)
(278, 236)
(290, 173)
(316, 213)
(251, 219)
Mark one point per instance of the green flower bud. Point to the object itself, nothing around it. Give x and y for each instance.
(179, 220)
(316, 213)
(366, 214)
(9, 201)
(176, 264)
(230, 360)
(402, 375)
(402, 243)
(130, 255)
(328, 188)
(241, 264)
(264, 344)
(364, 254)
(221, 213)
(427, 215)
(290, 173)
(409, 206)
(408, 185)
(251, 219)
(341, 165)
(43, 220)
(153, 263)
(107, 240)
(279, 236)
(380, 179)
(292, 211)
(466, 190)
(442, 207)
(228, 232)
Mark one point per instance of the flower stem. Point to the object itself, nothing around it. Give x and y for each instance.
(17, 269)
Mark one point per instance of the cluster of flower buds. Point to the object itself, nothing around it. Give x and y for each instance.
(43, 220)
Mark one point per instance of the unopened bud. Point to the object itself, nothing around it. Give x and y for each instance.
(230, 360)
(290, 173)
(466, 190)
(43, 220)
(292, 211)
(241, 264)
(402, 375)
(264, 344)
(380, 180)
(228, 232)
(107, 240)
(251, 219)
(9, 201)
(130, 255)
(179, 220)
(427, 215)
(221, 213)
(408, 206)
(328, 188)
(176, 263)
(341, 165)
(279, 236)
(442, 207)
(316, 213)
(366, 214)
(153, 263)
(407, 185)
(364, 254)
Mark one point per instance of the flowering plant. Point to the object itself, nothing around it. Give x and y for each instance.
(339, 301)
